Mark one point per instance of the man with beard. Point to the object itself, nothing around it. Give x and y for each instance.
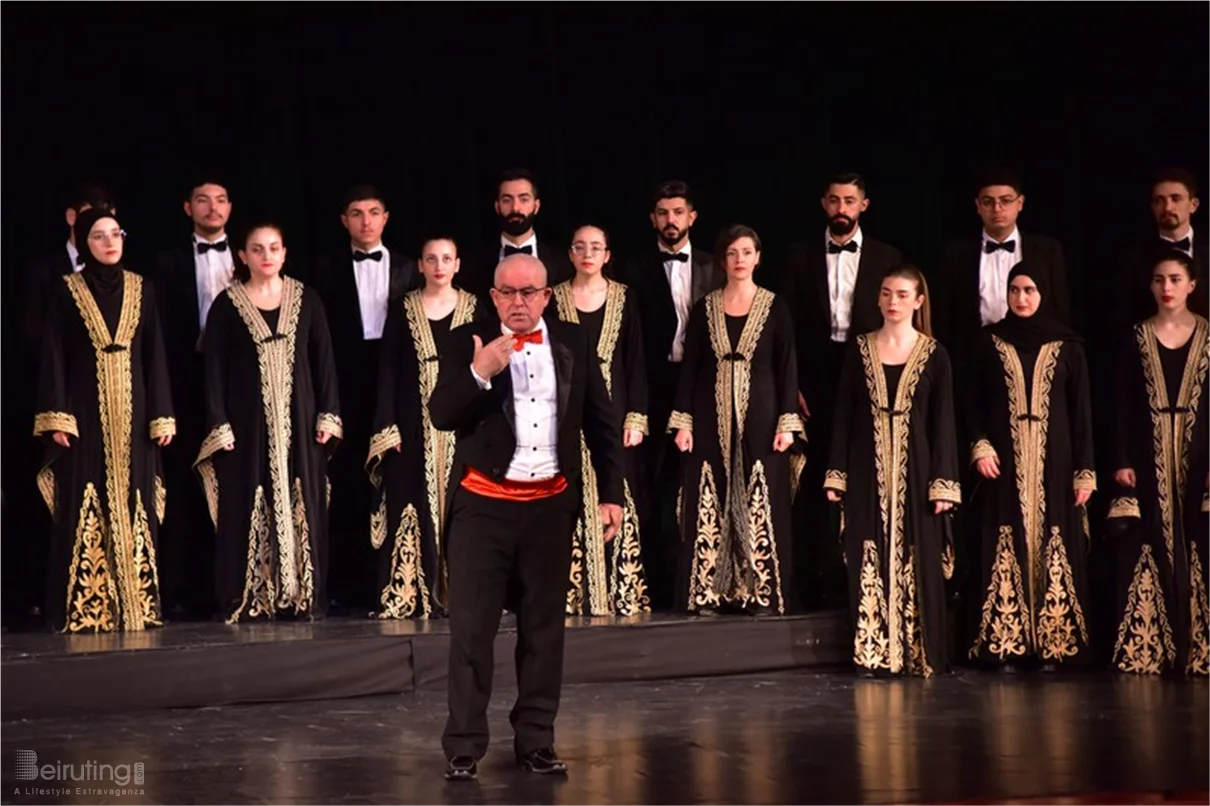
(667, 282)
(188, 278)
(517, 206)
(832, 288)
(358, 284)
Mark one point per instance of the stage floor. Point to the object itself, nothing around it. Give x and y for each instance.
(803, 736)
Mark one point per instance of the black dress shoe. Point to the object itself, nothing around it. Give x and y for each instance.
(543, 762)
(461, 768)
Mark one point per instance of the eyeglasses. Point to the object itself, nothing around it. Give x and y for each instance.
(990, 203)
(586, 249)
(527, 294)
(101, 237)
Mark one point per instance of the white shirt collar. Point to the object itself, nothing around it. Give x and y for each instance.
(1012, 236)
(541, 328)
(827, 237)
(1188, 235)
(73, 253)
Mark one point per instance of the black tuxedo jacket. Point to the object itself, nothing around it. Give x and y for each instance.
(333, 279)
(43, 272)
(485, 421)
(956, 287)
(645, 275)
(805, 287)
(478, 272)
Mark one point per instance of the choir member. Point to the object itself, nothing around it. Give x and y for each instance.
(187, 279)
(832, 289)
(608, 579)
(517, 204)
(973, 276)
(409, 459)
(666, 281)
(1162, 484)
(894, 467)
(359, 284)
(105, 408)
(1030, 417)
(735, 418)
(274, 415)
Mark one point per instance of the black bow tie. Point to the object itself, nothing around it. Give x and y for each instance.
(1182, 244)
(835, 248)
(992, 246)
(509, 249)
(679, 257)
(203, 247)
(359, 255)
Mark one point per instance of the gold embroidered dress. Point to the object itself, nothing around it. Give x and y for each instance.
(738, 389)
(894, 454)
(1161, 608)
(104, 381)
(410, 484)
(270, 385)
(1031, 407)
(608, 579)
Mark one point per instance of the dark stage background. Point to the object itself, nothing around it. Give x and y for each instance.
(751, 104)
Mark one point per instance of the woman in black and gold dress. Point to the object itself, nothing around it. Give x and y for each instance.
(1030, 414)
(1162, 483)
(894, 467)
(608, 579)
(736, 417)
(274, 416)
(409, 460)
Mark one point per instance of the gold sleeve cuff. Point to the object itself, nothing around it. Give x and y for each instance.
(790, 424)
(679, 420)
(836, 480)
(163, 427)
(982, 450)
(331, 424)
(48, 421)
(218, 437)
(385, 440)
(635, 422)
(1124, 508)
(1085, 480)
(945, 490)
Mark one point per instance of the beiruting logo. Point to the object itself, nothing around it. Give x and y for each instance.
(26, 769)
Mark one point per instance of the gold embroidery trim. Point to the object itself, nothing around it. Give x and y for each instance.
(627, 580)
(732, 388)
(1144, 644)
(766, 565)
(1061, 627)
(635, 422)
(871, 644)
(163, 427)
(46, 486)
(588, 547)
(945, 490)
(678, 420)
(790, 424)
(115, 409)
(1004, 625)
(92, 597)
(707, 542)
(1124, 508)
(1085, 480)
(1199, 638)
(406, 594)
(385, 440)
(611, 325)
(982, 449)
(219, 437)
(48, 421)
(331, 424)
(259, 588)
(836, 480)
(161, 499)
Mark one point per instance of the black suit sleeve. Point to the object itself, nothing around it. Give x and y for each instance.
(634, 364)
(602, 431)
(452, 404)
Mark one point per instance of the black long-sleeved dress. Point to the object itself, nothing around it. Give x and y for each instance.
(270, 385)
(104, 381)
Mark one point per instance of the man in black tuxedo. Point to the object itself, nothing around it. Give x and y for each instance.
(188, 278)
(358, 284)
(517, 390)
(667, 280)
(832, 287)
(517, 205)
(971, 289)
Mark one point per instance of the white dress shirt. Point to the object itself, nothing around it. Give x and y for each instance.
(1188, 235)
(536, 406)
(680, 283)
(993, 277)
(373, 290)
(74, 255)
(531, 242)
(842, 280)
(214, 271)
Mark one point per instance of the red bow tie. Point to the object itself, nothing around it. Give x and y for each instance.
(519, 339)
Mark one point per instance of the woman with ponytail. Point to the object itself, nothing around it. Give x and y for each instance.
(894, 470)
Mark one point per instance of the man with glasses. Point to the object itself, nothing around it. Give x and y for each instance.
(517, 389)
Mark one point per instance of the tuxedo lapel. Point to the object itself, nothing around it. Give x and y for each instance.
(703, 269)
(348, 285)
(399, 280)
(818, 264)
(186, 287)
(563, 370)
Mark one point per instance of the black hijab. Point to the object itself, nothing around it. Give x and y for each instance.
(102, 278)
(1044, 326)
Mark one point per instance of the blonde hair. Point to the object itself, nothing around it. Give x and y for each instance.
(922, 319)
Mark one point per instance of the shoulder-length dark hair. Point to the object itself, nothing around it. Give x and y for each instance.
(241, 271)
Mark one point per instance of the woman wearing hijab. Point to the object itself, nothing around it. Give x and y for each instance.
(105, 410)
(274, 417)
(1031, 417)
